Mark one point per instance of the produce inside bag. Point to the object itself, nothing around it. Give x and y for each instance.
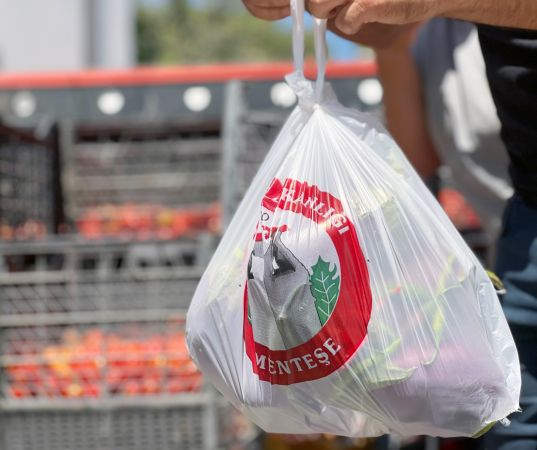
(341, 299)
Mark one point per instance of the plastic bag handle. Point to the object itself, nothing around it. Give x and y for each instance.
(319, 30)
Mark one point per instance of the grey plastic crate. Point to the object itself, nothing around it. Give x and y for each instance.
(29, 192)
(187, 426)
(247, 137)
(66, 294)
(57, 393)
(251, 125)
(74, 277)
(170, 166)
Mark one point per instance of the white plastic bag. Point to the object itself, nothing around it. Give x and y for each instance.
(341, 298)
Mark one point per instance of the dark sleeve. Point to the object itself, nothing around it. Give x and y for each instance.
(511, 59)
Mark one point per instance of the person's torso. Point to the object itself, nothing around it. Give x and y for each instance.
(461, 115)
(511, 61)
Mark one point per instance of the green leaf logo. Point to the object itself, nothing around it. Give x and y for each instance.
(324, 288)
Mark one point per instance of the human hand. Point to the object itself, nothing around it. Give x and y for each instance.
(268, 9)
(349, 16)
(378, 35)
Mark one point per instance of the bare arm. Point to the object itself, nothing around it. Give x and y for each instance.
(404, 104)
(405, 108)
(350, 15)
(505, 13)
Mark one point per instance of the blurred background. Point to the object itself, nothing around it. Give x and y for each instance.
(129, 131)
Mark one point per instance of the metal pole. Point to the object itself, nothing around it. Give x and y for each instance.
(231, 140)
(210, 422)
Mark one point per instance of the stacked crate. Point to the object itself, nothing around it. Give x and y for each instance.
(92, 351)
(92, 344)
(28, 185)
(93, 347)
(251, 125)
(247, 136)
(165, 171)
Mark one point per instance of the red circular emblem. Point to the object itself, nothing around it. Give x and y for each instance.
(338, 295)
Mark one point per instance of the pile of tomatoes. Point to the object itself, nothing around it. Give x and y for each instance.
(96, 364)
(147, 221)
(31, 229)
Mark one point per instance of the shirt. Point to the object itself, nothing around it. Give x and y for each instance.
(511, 60)
(461, 115)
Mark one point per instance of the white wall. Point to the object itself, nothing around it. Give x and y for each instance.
(43, 35)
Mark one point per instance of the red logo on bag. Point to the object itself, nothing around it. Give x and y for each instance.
(307, 300)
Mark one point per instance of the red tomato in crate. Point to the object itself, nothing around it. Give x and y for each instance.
(194, 382)
(176, 386)
(112, 227)
(183, 366)
(132, 388)
(164, 219)
(25, 372)
(52, 386)
(7, 233)
(114, 379)
(147, 221)
(176, 345)
(91, 389)
(19, 390)
(90, 225)
(154, 345)
(184, 383)
(82, 365)
(73, 390)
(130, 217)
(160, 360)
(179, 224)
(88, 370)
(151, 385)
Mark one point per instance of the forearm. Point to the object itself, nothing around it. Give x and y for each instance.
(405, 109)
(357, 13)
(506, 13)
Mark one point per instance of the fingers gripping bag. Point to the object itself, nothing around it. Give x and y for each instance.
(341, 299)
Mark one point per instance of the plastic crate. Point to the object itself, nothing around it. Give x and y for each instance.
(29, 189)
(81, 320)
(247, 137)
(129, 427)
(92, 347)
(177, 167)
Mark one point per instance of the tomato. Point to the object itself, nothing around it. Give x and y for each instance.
(91, 363)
